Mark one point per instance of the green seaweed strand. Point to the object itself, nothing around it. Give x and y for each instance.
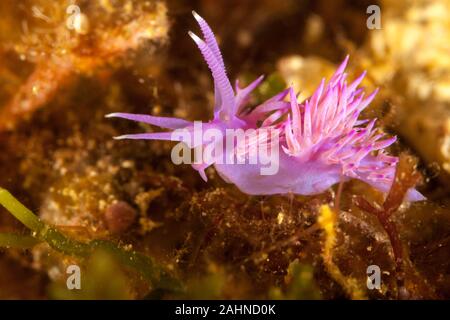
(18, 210)
(12, 240)
(41, 232)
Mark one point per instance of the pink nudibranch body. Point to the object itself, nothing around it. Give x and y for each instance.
(322, 141)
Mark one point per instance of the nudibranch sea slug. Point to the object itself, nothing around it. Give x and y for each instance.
(321, 142)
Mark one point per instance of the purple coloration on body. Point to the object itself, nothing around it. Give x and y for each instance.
(322, 141)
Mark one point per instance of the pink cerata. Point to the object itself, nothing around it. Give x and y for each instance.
(322, 141)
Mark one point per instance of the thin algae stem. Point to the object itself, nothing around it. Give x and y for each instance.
(41, 232)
